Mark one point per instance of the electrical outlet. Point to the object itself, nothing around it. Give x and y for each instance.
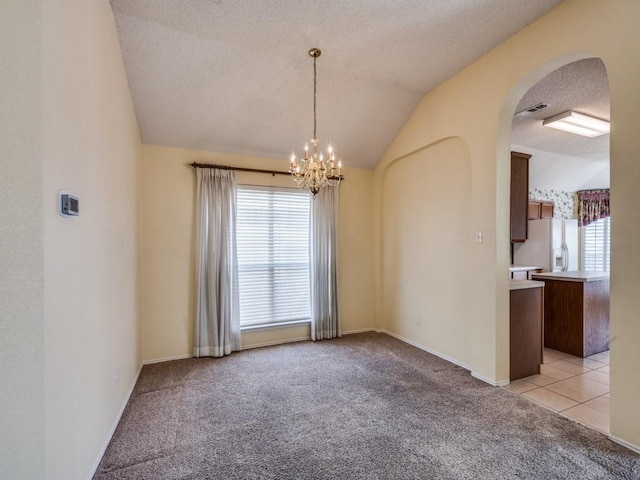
(418, 320)
(479, 237)
(116, 376)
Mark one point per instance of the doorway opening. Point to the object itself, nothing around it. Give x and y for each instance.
(573, 379)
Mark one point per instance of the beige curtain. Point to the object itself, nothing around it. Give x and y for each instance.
(217, 321)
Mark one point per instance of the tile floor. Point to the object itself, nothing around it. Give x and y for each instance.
(575, 387)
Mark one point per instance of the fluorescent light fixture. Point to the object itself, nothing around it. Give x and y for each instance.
(578, 123)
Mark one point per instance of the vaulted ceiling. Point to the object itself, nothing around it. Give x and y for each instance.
(235, 76)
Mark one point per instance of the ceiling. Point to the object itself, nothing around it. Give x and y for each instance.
(234, 75)
(580, 86)
(562, 160)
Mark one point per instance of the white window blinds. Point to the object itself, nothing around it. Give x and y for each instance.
(273, 255)
(596, 250)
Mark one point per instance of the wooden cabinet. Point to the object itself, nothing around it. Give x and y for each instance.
(525, 332)
(519, 196)
(538, 210)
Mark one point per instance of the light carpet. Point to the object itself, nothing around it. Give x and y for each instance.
(364, 406)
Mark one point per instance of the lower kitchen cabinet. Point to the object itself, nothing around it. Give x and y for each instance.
(525, 328)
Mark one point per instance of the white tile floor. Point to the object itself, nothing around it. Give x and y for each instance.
(575, 387)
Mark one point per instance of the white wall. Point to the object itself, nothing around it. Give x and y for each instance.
(21, 248)
(477, 105)
(552, 171)
(91, 147)
(168, 253)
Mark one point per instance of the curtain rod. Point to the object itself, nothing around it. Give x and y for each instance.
(241, 169)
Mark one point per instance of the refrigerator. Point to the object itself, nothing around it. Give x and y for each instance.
(552, 243)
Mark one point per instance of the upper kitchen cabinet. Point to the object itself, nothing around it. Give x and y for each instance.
(519, 196)
(539, 210)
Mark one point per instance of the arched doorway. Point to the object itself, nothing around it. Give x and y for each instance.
(560, 165)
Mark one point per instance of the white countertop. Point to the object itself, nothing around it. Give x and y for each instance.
(575, 276)
(522, 284)
(523, 268)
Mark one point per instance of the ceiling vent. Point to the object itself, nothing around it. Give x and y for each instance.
(534, 108)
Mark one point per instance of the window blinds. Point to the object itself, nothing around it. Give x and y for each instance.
(596, 246)
(273, 255)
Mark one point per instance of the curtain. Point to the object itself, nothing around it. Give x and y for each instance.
(217, 321)
(592, 206)
(325, 322)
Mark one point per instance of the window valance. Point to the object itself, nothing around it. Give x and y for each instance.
(592, 206)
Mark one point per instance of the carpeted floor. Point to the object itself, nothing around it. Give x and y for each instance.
(365, 406)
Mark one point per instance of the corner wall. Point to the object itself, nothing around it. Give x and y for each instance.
(477, 106)
(91, 147)
(168, 254)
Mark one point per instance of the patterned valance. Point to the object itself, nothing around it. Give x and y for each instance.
(592, 205)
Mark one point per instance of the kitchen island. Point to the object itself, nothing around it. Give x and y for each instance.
(576, 311)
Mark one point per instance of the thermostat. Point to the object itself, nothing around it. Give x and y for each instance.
(69, 204)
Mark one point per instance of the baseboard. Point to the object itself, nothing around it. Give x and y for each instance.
(428, 350)
(276, 342)
(98, 459)
(167, 359)
(499, 383)
(630, 446)
(360, 330)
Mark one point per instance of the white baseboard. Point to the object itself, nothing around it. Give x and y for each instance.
(360, 330)
(167, 359)
(499, 383)
(98, 459)
(630, 446)
(276, 342)
(429, 350)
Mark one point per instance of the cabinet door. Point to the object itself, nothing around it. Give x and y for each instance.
(546, 210)
(519, 196)
(534, 210)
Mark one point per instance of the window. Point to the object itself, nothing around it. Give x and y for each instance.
(595, 241)
(273, 255)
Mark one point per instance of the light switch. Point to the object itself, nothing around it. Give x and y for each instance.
(479, 237)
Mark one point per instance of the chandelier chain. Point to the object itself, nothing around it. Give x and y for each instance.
(315, 97)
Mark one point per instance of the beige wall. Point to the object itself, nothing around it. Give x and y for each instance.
(168, 214)
(91, 148)
(477, 106)
(427, 211)
(21, 249)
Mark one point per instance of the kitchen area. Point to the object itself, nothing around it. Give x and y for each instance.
(554, 304)
(560, 244)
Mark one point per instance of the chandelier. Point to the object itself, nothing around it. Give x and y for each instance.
(313, 171)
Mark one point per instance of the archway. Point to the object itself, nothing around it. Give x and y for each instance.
(562, 164)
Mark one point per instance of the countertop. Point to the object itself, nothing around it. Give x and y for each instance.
(575, 276)
(523, 284)
(523, 268)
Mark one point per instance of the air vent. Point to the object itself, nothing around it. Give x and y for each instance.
(537, 107)
(534, 108)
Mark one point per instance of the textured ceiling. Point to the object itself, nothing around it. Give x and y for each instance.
(580, 86)
(234, 75)
(562, 160)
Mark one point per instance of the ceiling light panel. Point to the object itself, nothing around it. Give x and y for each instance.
(578, 123)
